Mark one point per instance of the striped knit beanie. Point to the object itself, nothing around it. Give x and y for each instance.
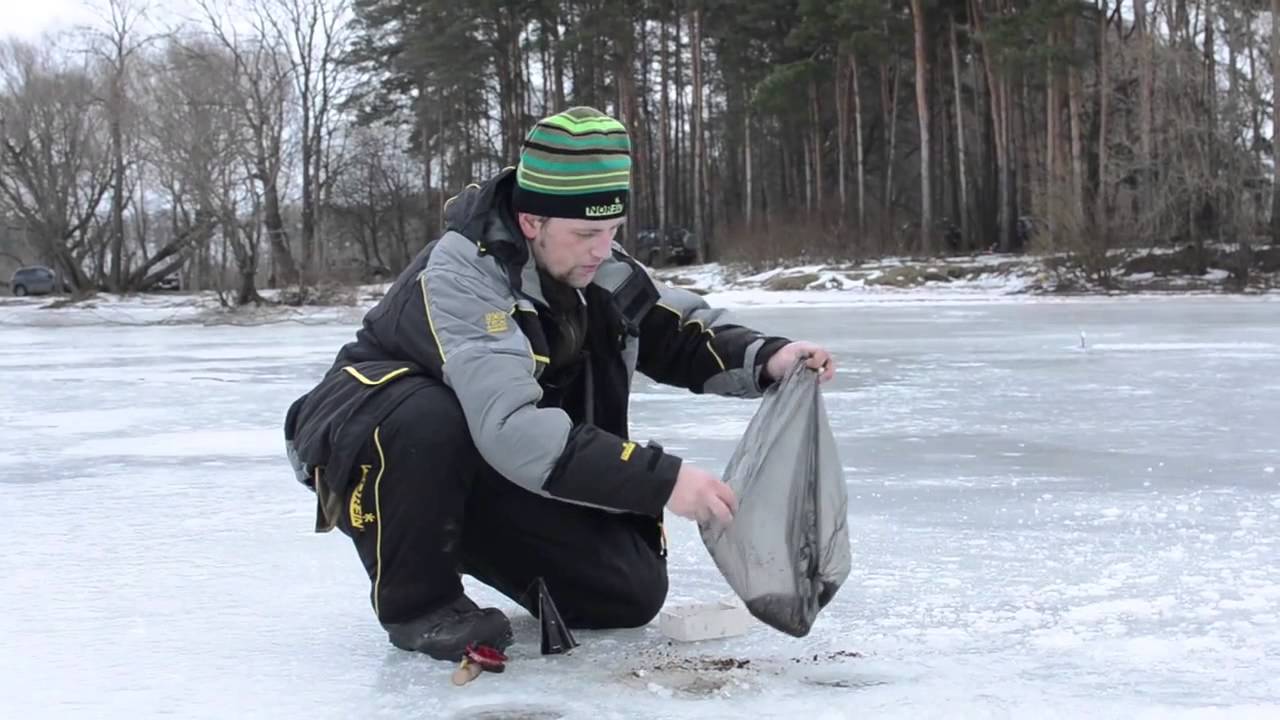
(576, 164)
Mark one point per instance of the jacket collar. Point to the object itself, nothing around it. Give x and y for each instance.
(482, 213)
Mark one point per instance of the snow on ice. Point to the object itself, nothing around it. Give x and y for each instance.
(1040, 530)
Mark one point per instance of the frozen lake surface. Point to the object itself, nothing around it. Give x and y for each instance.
(1040, 529)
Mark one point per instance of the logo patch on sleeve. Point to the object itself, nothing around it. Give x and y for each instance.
(495, 322)
(355, 507)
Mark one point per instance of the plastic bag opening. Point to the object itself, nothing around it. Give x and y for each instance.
(787, 551)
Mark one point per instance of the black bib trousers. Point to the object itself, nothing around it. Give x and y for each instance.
(424, 508)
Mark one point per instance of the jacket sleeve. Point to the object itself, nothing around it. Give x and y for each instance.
(686, 343)
(491, 368)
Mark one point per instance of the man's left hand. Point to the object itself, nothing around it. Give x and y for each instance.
(815, 356)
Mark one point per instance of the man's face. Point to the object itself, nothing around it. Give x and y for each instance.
(570, 251)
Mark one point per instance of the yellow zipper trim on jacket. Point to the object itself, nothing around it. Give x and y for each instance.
(426, 306)
(706, 330)
(350, 369)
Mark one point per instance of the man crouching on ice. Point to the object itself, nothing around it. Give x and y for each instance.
(478, 422)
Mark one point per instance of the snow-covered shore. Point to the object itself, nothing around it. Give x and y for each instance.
(976, 278)
(1129, 271)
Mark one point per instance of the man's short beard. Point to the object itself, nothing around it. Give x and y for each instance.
(541, 243)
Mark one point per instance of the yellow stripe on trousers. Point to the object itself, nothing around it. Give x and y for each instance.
(377, 508)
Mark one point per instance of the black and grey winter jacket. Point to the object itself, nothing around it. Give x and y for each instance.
(470, 311)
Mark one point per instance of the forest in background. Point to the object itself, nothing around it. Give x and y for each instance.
(295, 142)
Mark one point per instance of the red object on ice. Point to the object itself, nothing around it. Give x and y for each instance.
(488, 658)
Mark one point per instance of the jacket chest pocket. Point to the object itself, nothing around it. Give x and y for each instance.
(630, 354)
(527, 320)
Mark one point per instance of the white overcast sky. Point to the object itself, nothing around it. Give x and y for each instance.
(28, 19)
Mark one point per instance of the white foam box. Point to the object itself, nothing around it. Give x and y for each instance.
(704, 621)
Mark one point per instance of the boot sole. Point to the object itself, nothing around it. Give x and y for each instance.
(455, 654)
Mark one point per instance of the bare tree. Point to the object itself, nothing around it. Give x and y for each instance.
(198, 141)
(54, 166)
(312, 33)
(117, 47)
(261, 74)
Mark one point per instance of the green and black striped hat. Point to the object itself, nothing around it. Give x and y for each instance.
(576, 164)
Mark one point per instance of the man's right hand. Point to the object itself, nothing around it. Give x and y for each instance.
(701, 496)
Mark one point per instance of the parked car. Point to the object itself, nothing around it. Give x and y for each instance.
(355, 270)
(169, 283)
(32, 280)
(669, 246)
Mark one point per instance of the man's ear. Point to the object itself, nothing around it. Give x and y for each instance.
(530, 224)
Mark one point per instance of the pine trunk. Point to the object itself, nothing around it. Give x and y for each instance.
(695, 45)
(1101, 221)
(557, 63)
(747, 163)
(1275, 123)
(1052, 177)
(445, 179)
(1146, 83)
(1074, 93)
(308, 186)
(996, 92)
(678, 191)
(1255, 108)
(664, 127)
(1008, 171)
(1208, 216)
(544, 50)
(815, 143)
(922, 109)
(892, 156)
(624, 78)
(117, 183)
(1233, 51)
(961, 161)
(842, 131)
(805, 177)
(984, 178)
(858, 159)
(424, 134)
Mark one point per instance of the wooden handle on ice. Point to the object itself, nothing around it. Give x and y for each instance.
(466, 672)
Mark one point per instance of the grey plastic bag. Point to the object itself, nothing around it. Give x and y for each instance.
(787, 550)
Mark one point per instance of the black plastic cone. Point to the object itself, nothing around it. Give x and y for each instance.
(556, 637)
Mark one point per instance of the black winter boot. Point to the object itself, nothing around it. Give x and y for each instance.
(445, 633)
